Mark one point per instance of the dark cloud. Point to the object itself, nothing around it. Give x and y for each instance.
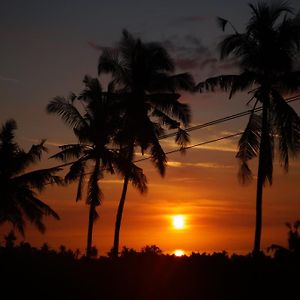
(9, 79)
(190, 54)
(98, 47)
(188, 51)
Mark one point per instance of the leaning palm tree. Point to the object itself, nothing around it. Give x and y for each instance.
(267, 54)
(19, 201)
(143, 77)
(94, 127)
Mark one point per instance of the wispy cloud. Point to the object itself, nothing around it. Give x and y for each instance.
(208, 165)
(99, 47)
(47, 143)
(112, 181)
(9, 79)
(227, 145)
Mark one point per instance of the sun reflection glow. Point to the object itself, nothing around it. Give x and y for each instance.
(179, 252)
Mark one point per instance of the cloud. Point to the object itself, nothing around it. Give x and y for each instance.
(99, 47)
(226, 145)
(8, 79)
(207, 165)
(47, 143)
(191, 54)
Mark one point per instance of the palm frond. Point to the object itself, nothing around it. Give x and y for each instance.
(158, 57)
(7, 131)
(249, 144)
(67, 111)
(222, 23)
(182, 139)
(126, 167)
(165, 119)
(245, 174)
(39, 179)
(94, 192)
(75, 171)
(158, 157)
(231, 83)
(224, 82)
(92, 91)
(109, 62)
(182, 81)
(287, 124)
(169, 105)
(69, 151)
(80, 185)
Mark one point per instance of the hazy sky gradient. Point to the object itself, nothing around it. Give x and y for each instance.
(46, 49)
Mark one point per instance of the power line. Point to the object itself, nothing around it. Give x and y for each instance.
(217, 121)
(200, 126)
(196, 145)
(225, 119)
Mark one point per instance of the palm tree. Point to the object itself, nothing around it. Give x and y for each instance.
(19, 202)
(266, 53)
(143, 77)
(94, 129)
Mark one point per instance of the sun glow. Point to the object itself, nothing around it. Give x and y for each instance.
(179, 252)
(178, 221)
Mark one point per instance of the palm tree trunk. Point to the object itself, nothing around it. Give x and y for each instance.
(115, 250)
(261, 175)
(90, 231)
(259, 195)
(94, 200)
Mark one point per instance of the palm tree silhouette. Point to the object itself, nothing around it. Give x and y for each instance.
(143, 77)
(19, 202)
(94, 128)
(266, 54)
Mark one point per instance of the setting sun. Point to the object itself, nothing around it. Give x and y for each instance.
(178, 221)
(179, 252)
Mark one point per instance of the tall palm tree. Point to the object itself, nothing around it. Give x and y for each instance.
(267, 54)
(143, 77)
(94, 127)
(19, 202)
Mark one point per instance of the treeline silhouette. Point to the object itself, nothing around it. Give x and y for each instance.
(32, 273)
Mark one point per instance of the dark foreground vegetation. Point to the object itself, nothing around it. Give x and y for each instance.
(31, 273)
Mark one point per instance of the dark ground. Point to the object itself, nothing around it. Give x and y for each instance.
(45, 274)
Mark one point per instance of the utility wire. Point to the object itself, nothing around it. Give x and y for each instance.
(225, 119)
(196, 145)
(200, 126)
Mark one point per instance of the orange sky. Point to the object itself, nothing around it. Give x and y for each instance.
(201, 185)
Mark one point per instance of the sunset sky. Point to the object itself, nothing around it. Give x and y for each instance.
(48, 46)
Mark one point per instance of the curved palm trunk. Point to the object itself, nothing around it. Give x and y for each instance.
(90, 231)
(92, 209)
(259, 195)
(261, 175)
(115, 250)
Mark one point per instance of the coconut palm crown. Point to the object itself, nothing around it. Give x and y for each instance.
(19, 201)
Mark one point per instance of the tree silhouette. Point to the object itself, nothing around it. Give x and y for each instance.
(266, 53)
(143, 76)
(19, 202)
(94, 128)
